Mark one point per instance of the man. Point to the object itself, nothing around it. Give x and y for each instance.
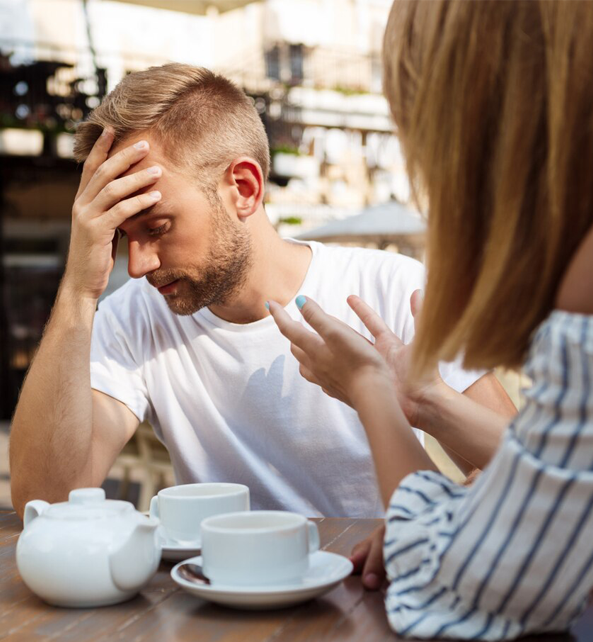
(176, 160)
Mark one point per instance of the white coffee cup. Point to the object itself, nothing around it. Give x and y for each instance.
(181, 509)
(257, 548)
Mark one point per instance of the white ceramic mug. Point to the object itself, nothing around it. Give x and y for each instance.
(181, 509)
(257, 548)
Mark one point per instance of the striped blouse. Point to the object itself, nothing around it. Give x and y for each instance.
(512, 554)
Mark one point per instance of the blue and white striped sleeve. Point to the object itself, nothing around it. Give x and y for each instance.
(511, 554)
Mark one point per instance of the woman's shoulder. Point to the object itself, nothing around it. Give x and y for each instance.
(575, 293)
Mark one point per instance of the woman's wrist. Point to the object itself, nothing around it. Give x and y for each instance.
(368, 386)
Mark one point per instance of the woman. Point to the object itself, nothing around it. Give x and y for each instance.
(493, 103)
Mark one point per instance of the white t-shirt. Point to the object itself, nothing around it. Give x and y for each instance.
(227, 399)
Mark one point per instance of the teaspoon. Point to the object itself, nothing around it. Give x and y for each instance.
(193, 573)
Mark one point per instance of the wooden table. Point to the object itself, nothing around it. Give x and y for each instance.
(166, 613)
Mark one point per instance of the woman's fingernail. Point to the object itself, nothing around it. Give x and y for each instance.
(141, 145)
(300, 301)
(267, 305)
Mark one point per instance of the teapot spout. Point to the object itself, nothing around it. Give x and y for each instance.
(134, 563)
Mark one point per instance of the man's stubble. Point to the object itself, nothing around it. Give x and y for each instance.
(224, 272)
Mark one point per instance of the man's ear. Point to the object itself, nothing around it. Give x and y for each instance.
(245, 179)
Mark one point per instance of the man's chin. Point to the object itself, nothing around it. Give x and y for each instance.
(181, 307)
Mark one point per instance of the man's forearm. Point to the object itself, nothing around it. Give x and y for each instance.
(51, 434)
(396, 450)
(462, 425)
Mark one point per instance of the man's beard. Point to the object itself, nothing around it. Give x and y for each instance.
(225, 269)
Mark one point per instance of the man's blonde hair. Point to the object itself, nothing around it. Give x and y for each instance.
(493, 102)
(202, 119)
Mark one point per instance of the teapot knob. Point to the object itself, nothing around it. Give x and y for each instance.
(86, 496)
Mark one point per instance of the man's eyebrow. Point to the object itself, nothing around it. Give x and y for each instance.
(156, 209)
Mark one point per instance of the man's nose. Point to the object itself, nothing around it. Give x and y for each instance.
(142, 259)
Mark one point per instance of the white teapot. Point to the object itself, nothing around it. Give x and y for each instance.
(87, 551)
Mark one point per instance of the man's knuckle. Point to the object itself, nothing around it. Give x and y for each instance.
(100, 171)
(109, 191)
(90, 164)
(141, 201)
(119, 209)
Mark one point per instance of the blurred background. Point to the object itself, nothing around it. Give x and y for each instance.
(313, 69)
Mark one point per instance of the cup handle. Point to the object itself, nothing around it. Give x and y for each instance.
(313, 537)
(154, 507)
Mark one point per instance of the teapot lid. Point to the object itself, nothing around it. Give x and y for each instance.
(88, 503)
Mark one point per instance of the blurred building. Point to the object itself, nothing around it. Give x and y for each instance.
(312, 67)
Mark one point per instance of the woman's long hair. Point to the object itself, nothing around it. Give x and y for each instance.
(493, 103)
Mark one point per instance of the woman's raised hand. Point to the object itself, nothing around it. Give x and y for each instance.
(398, 356)
(337, 358)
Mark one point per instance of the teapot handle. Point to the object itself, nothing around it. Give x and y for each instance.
(32, 510)
(154, 507)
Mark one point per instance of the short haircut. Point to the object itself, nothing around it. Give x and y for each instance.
(202, 120)
(493, 103)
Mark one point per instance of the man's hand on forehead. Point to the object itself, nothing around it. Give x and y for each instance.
(109, 195)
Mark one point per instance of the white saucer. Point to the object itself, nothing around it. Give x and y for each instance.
(326, 570)
(175, 552)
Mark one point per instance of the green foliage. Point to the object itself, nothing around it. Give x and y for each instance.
(291, 220)
(285, 149)
(349, 91)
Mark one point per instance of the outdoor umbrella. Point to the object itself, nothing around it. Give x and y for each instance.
(198, 7)
(382, 225)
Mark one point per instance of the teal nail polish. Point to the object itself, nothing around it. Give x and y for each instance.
(300, 301)
(267, 305)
